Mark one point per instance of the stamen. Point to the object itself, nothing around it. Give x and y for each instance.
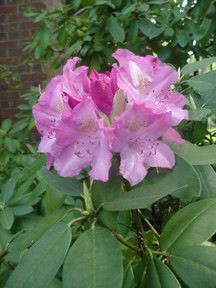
(143, 83)
(59, 105)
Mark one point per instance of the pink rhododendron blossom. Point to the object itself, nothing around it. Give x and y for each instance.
(147, 81)
(63, 93)
(136, 134)
(84, 141)
(48, 112)
(50, 106)
(84, 118)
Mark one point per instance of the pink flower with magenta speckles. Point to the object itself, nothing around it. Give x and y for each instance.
(62, 94)
(48, 112)
(84, 141)
(145, 80)
(136, 134)
(131, 110)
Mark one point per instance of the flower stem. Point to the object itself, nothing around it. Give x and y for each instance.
(73, 221)
(125, 242)
(150, 225)
(159, 253)
(87, 198)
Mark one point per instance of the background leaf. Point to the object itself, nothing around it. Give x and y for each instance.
(8, 190)
(115, 29)
(190, 68)
(6, 218)
(150, 29)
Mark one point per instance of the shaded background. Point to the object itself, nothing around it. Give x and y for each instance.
(15, 31)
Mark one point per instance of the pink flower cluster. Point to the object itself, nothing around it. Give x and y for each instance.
(131, 110)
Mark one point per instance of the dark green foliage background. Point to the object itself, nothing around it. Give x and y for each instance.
(93, 30)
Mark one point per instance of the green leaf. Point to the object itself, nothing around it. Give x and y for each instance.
(21, 189)
(22, 210)
(108, 3)
(56, 283)
(196, 155)
(107, 191)
(133, 32)
(10, 145)
(169, 32)
(30, 237)
(195, 265)
(129, 281)
(205, 84)
(70, 186)
(75, 48)
(18, 126)
(8, 190)
(115, 29)
(45, 36)
(6, 125)
(157, 2)
(208, 180)
(150, 29)
(52, 200)
(116, 221)
(194, 224)
(182, 38)
(144, 196)
(199, 114)
(96, 256)
(158, 275)
(5, 237)
(30, 170)
(6, 218)
(192, 67)
(143, 7)
(42, 261)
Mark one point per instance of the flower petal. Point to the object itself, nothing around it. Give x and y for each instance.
(122, 56)
(101, 162)
(162, 156)
(132, 166)
(68, 164)
(50, 106)
(75, 81)
(102, 90)
(173, 136)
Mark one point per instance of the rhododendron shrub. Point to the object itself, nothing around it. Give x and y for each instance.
(86, 118)
(117, 179)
